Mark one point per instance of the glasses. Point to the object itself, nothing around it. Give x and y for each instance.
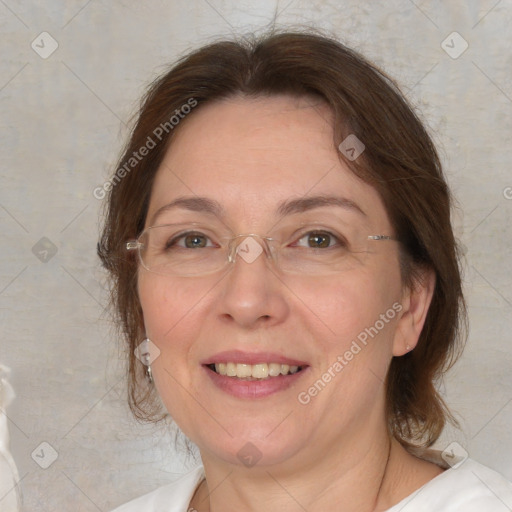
(196, 250)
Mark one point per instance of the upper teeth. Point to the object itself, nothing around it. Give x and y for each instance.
(257, 371)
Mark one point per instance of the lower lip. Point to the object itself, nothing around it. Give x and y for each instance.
(253, 388)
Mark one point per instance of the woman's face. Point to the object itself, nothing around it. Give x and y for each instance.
(265, 163)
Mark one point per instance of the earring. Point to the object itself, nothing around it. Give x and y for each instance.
(145, 352)
(408, 348)
(149, 374)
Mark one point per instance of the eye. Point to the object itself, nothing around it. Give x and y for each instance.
(189, 241)
(318, 240)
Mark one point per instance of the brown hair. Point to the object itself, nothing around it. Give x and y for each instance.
(399, 160)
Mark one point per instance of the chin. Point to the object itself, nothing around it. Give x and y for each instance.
(253, 445)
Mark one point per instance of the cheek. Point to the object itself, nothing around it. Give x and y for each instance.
(156, 312)
(175, 313)
(165, 305)
(351, 302)
(171, 320)
(352, 308)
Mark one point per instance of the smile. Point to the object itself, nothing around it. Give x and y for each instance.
(249, 372)
(253, 375)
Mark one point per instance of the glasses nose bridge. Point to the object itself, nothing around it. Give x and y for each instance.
(249, 247)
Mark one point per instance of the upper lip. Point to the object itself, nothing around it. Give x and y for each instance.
(238, 356)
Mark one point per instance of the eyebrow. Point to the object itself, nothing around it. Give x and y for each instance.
(304, 204)
(193, 204)
(289, 207)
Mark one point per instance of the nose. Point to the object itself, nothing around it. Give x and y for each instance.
(253, 293)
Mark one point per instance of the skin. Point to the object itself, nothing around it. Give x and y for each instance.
(331, 454)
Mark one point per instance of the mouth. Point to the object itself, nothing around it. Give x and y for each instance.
(250, 372)
(246, 375)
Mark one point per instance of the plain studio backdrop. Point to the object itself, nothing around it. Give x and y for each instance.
(70, 78)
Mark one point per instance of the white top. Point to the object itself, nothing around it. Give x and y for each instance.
(470, 487)
(9, 478)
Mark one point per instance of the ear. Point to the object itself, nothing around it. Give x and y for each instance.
(415, 304)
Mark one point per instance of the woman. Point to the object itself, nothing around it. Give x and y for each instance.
(286, 278)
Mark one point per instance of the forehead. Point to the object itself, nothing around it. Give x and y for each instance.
(252, 154)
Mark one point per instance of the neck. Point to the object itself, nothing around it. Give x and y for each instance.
(354, 478)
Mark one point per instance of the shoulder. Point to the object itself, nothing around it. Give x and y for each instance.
(471, 487)
(174, 497)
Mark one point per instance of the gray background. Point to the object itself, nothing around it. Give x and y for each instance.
(63, 120)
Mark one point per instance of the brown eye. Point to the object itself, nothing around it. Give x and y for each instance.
(319, 240)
